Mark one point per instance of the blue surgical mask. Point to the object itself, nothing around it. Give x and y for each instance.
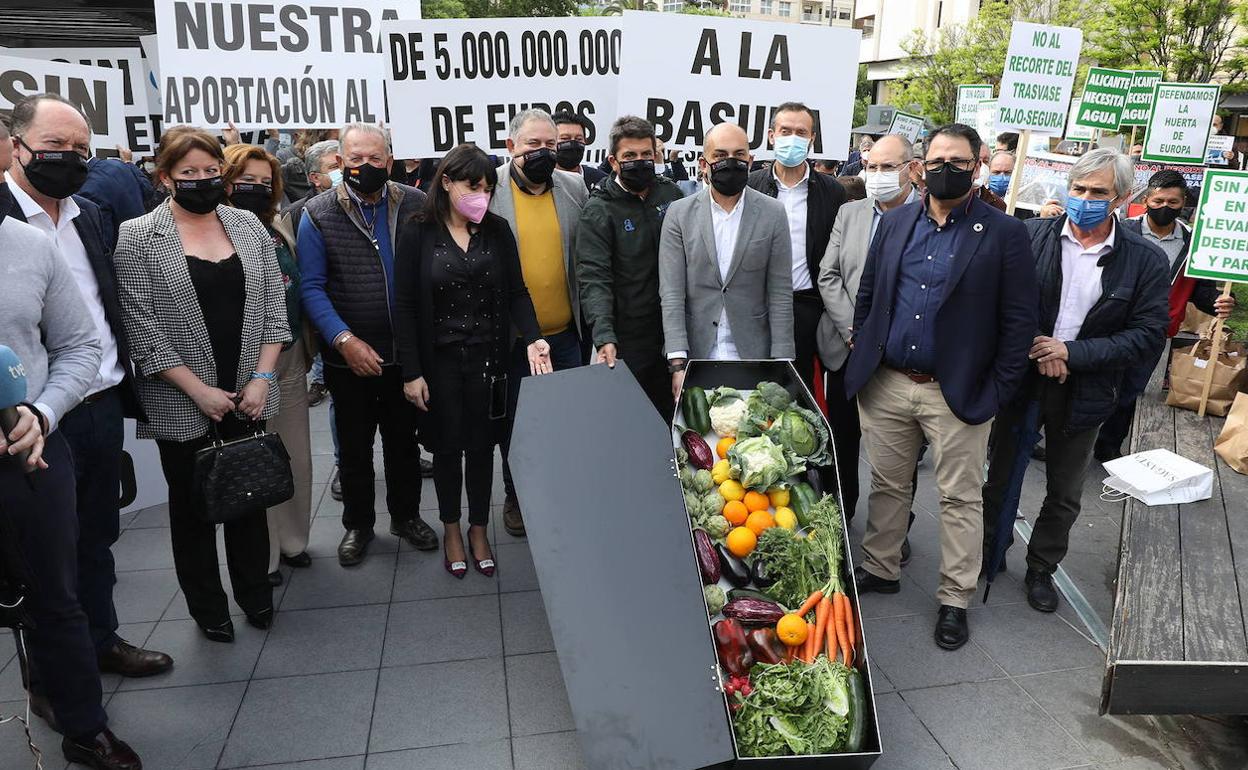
(999, 183)
(1086, 213)
(791, 150)
(335, 177)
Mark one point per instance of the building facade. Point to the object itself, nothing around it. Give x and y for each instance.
(836, 13)
(886, 24)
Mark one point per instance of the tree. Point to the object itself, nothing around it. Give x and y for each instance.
(443, 9)
(518, 8)
(1192, 41)
(618, 7)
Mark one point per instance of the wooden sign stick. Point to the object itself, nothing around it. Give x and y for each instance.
(1215, 347)
(1016, 178)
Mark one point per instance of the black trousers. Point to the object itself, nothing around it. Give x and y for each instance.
(95, 432)
(650, 370)
(566, 352)
(462, 431)
(195, 540)
(362, 407)
(846, 436)
(42, 509)
(1114, 431)
(807, 310)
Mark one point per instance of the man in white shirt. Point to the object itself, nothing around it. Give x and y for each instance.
(51, 141)
(1103, 300)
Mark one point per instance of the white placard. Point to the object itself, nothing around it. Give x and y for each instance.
(1218, 145)
(1074, 131)
(1038, 78)
(1181, 121)
(97, 91)
(259, 65)
(452, 81)
(986, 120)
(908, 125)
(969, 98)
(687, 73)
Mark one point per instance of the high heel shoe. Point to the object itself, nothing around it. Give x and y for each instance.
(223, 633)
(457, 568)
(484, 566)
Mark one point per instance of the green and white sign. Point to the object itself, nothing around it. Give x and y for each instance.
(907, 124)
(986, 120)
(1074, 131)
(1039, 77)
(969, 98)
(1104, 98)
(1140, 98)
(1220, 237)
(1179, 125)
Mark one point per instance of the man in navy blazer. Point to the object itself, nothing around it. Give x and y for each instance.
(946, 313)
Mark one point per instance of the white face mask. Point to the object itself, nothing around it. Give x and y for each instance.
(660, 168)
(982, 179)
(866, 155)
(883, 185)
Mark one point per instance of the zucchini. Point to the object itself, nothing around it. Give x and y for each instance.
(697, 412)
(857, 713)
(802, 499)
(746, 593)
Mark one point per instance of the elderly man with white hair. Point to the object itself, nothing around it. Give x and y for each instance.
(1103, 291)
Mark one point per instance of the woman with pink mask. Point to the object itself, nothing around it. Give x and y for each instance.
(460, 297)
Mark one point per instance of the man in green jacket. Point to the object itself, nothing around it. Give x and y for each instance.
(617, 252)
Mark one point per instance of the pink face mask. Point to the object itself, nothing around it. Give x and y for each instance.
(473, 205)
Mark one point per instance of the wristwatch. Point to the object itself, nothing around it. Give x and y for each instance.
(342, 339)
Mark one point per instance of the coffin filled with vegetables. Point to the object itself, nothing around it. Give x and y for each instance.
(674, 583)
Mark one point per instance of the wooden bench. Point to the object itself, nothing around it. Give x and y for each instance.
(1178, 642)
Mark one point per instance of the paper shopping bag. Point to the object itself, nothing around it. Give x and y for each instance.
(1189, 368)
(1158, 477)
(1232, 443)
(1197, 320)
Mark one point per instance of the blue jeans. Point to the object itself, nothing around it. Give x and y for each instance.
(566, 352)
(318, 370)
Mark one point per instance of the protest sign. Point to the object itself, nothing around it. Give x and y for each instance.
(686, 73)
(1038, 78)
(1219, 249)
(97, 91)
(986, 120)
(1216, 153)
(907, 124)
(1180, 123)
(452, 81)
(1140, 98)
(1074, 131)
(266, 65)
(1104, 98)
(1045, 176)
(969, 98)
(1193, 174)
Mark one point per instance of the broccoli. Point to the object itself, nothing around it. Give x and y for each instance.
(774, 395)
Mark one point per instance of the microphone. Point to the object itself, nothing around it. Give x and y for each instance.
(12, 393)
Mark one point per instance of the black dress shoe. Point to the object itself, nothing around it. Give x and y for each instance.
(1041, 594)
(1038, 452)
(103, 752)
(417, 532)
(41, 707)
(261, 620)
(905, 551)
(275, 578)
(426, 468)
(354, 546)
(127, 660)
(335, 485)
(223, 633)
(951, 629)
(513, 522)
(298, 561)
(868, 583)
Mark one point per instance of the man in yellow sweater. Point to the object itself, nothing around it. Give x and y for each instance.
(543, 205)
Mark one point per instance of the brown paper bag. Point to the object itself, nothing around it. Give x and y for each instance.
(1188, 369)
(1197, 321)
(1232, 443)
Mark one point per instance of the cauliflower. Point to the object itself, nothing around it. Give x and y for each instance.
(727, 409)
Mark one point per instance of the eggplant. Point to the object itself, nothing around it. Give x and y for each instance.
(708, 562)
(758, 574)
(753, 611)
(732, 568)
(700, 454)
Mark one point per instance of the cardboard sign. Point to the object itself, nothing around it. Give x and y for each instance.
(266, 65)
(97, 91)
(1104, 98)
(1140, 98)
(1038, 78)
(452, 81)
(1219, 249)
(986, 120)
(1180, 123)
(686, 73)
(1217, 149)
(1074, 131)
(907, 125)
(969, 98)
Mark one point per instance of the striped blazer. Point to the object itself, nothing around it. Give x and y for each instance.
(164, 323)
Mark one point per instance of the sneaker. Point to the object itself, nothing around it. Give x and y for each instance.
(317, 393)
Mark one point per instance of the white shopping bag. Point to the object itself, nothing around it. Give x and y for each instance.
(1157, 477)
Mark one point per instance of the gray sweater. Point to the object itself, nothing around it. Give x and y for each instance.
(44, 320)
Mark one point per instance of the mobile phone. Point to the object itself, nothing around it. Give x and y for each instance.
(498, 397)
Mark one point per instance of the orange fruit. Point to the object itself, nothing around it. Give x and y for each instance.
(724, 445)
(791, 630)
(759, 521)
(756, 501)
(736, 512)
(740, 542)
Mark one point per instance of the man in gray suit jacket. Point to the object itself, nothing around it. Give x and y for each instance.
(543, 206)
(726, 265)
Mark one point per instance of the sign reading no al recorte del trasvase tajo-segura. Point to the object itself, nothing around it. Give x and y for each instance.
(1038, 79)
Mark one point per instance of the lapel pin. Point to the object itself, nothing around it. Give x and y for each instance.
(978, 227)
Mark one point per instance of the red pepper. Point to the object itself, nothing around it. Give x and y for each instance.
(732, 648)
(765, 645)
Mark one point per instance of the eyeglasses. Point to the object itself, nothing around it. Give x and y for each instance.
(959, 164)
(887, 168)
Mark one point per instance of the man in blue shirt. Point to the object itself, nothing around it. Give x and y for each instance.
(946, 313)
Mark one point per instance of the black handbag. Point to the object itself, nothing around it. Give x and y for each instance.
(244, 476)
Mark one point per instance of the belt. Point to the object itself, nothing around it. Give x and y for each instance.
(100, 395)
(921, 378)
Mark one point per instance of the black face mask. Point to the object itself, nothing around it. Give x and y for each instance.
(539, 165)
(199, 196)
(568, 155)
(256, 198)
(1163, 216)
(728, 176)
(949, 184)
(637, 175)
(366, 178)
(55, 173)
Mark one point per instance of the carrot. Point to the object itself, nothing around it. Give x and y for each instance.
(809, 604)
(809, 653)
(831, 634)
(842, 631)
(823, 613)
(850, 624)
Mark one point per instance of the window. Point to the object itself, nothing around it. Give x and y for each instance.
(786, 8)
(765, 8)
(867, 25)
(739, 6)
(674, 6)
(843, 14)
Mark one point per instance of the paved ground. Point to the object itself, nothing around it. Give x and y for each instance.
(395, 665)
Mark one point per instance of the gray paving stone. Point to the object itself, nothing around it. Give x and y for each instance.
(197, 660)
(143, 597)
(437, 630)
(328, 584)
(907, 743)
(494, 755)
(440, 704)
(338, 763)
(1140, 763)
(912, 599)
(994, 725)
(156, 516)
(14, 752)
(178, 610)
(423, 576)
(515, 568)
(1023, 641)
(180, 727)
(306, 717)
(143, 549)
(323, 641)
(552, 751)
(904, 650)
(526, 628)
(536, 695)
